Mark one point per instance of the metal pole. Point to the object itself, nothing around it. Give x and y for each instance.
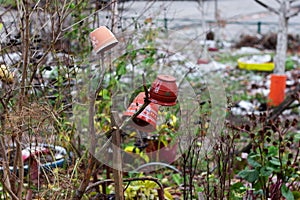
(258, 27)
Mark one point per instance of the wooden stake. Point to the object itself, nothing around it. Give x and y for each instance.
(117, 159)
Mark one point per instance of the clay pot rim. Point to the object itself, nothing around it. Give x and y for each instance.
(107, 46)
(163, 103)
(166, 78)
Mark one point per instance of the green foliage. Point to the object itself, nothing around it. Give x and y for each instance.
(177, 178)
(286, 192)
(144, 190)
(250, 175)
(289, 64)
(272, 157)
(237, 191)
(8, 3)
(80, 28)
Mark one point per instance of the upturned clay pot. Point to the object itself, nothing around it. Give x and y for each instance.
(164, 90)
(102, 39)
(146, 120)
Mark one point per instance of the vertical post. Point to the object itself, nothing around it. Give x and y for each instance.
(117, 158)
(116, 136)
(217, 18)
(166, 24)
(165, 21)
(258, 27)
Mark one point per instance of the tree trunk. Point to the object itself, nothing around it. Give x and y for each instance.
(281, 47)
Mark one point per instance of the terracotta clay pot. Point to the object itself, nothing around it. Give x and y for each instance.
(146, 120)
(102, 39)
(164, 90)
(277, 89)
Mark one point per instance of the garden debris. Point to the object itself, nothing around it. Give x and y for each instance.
(267, 41)
(207, 66)
(247, 50)
(246, 108)
(11, 58)
(213, 45)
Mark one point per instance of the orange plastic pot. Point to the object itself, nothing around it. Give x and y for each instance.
(164, 90)
(102, 39)
(277, 89)
(146, 120)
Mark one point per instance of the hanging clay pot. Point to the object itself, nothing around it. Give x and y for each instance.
(146, 120)
(277, 89)
(102, 39)
(164, 90)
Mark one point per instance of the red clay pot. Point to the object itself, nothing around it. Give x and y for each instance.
(277, 89)
(102, 39)
(164, 90)
(146, 120)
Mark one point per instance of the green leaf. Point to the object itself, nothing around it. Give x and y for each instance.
(177, 179)
(148, 61)
(239, 186)
(252, 162)
(286, 192)
(289, 64)
(250, 175)
(238, 158)
(237, 191)
(272, 151)
(275, 161)
(105, 94)
(266, 171)
(159, 176)
(121, 69)
(1, 26)
(296, 195)
(141, 40)
(133, 54)
(297, 137)
(129, 47)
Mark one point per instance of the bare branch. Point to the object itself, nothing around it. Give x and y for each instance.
(293, 13)
(292, 1)
(35, 6)
(9, 190)
(267, 7)
(85, 18)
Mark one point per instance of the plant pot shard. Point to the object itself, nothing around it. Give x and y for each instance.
(102, 39)
(146, 120)
(164, 90)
